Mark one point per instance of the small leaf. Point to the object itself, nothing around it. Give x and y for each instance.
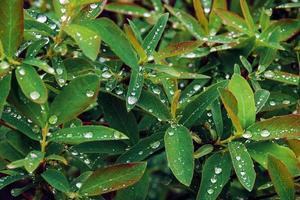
(284, 77)
(86, 39)
(135, 88)
(179, 150)
(190, 23)
(31, 84)
(33, 160)
(11, 25)
(286, 126)
(40, 64)
(4, 88)
(113, 36)
(230, 104)
(246, 64)
(127, 9)
(242, 164)
(215, 21)
(57, 180)
(203, 151)
(245, 100)
(200, 14)
(152, 38)
(281, 178)
(82, 134)
(83, 90)
(217, 117)
(215, 174)
(261, 96)
(112, 178)
(193, 111)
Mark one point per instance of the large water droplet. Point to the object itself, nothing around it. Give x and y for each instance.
(196, 87)
(63, 2)
(269, 74)
(247, 135)
(155, 145)
(218, 170)
(41, 18)
(286, 102)
(106, 74)
(88, 135)
(238, 158)
(210, 191)
(34, 95)
(131, 100)
(4, 65)
(78, 185)
(22, 72)
(93, 6)
(90, 93)
(53, 119)
(265, 133)
(213, 180)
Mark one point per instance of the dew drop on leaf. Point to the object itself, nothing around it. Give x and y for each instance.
(90, 93)
(155, 145)
(53, 119)
(265, 133)
(131, 100)
(41, 18)
(34, 95)
(88, 135)
(218, 170)
(210, 191)
(247, 135)
(269, 74)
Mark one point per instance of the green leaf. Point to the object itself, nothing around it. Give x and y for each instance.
(57, 158)
(31, 84)
(193, 111)
(104, 147)
(152, 104)
(242, 164)
(259, 152)
(281, 178)
(113, 36)
(246, 64)
(203, 151)
(284, 77)
(82, 134)
(16, 164)
(215, 22)
(286, 126)
(190, 23)
(35, 47)
(11, 25)
(289, 5)
(112, 178)
(143, 149)
(40, 64)
(215, 174)
(86, 39)
(116, 115)
(135, 88)
(245, 99)
(217, 117)
(33, 160)
(4, 88)
(5, 181)
(57, 180)
(247, 15)
(127, 9)
(261, 96)
(233, 20)
(152, 38)
(83, 90)
(230, 104)
(179, 149)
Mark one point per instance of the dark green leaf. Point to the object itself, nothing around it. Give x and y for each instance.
(57, 180)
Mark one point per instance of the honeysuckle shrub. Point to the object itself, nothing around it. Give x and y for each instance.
(134, 100)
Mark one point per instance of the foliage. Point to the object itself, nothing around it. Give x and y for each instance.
(149, 99)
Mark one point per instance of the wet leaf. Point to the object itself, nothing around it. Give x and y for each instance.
(33, 160)
(57, 180)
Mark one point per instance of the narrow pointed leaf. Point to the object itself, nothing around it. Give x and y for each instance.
(86, 39)
(114, 37)
(83, 90)
(281, 178)
(112, 178)
(247, 15)
(245, 99)
(31, 84)
(57, 180)
(242, 164)
(261, 97)
(11, 25)
(215, 174)
(284, 77)
(175, 49)
(152, 38)
(286, 126)
(193, 111)
(40, 64)
(215, 21)
(200, 14)
(179, 150)
(82, 134)
(135, 88)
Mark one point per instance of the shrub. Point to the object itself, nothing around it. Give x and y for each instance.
(157, 100)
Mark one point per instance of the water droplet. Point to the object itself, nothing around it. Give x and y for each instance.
(4, 65)
(106, 74)
(243, 173)
(269, 74)
(265, 133)
(88, 135)
(132, 100)
(210, 191)
(238, 158)
(22, 72)
(41, 18)
(59, 71)
(247, 135)
(155, 145)
(218, 170)
(286, 102)
(90, 93)
(53, 119)
(140, 152)
(78, 185)
(170, 133)
(93, 6)
(272, 103)
(213, 180)
(63, 2)
(34, 95)
(32, 155)
(196, 87)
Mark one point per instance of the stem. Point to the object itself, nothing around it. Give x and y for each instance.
(44, 138)
(227, 140)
